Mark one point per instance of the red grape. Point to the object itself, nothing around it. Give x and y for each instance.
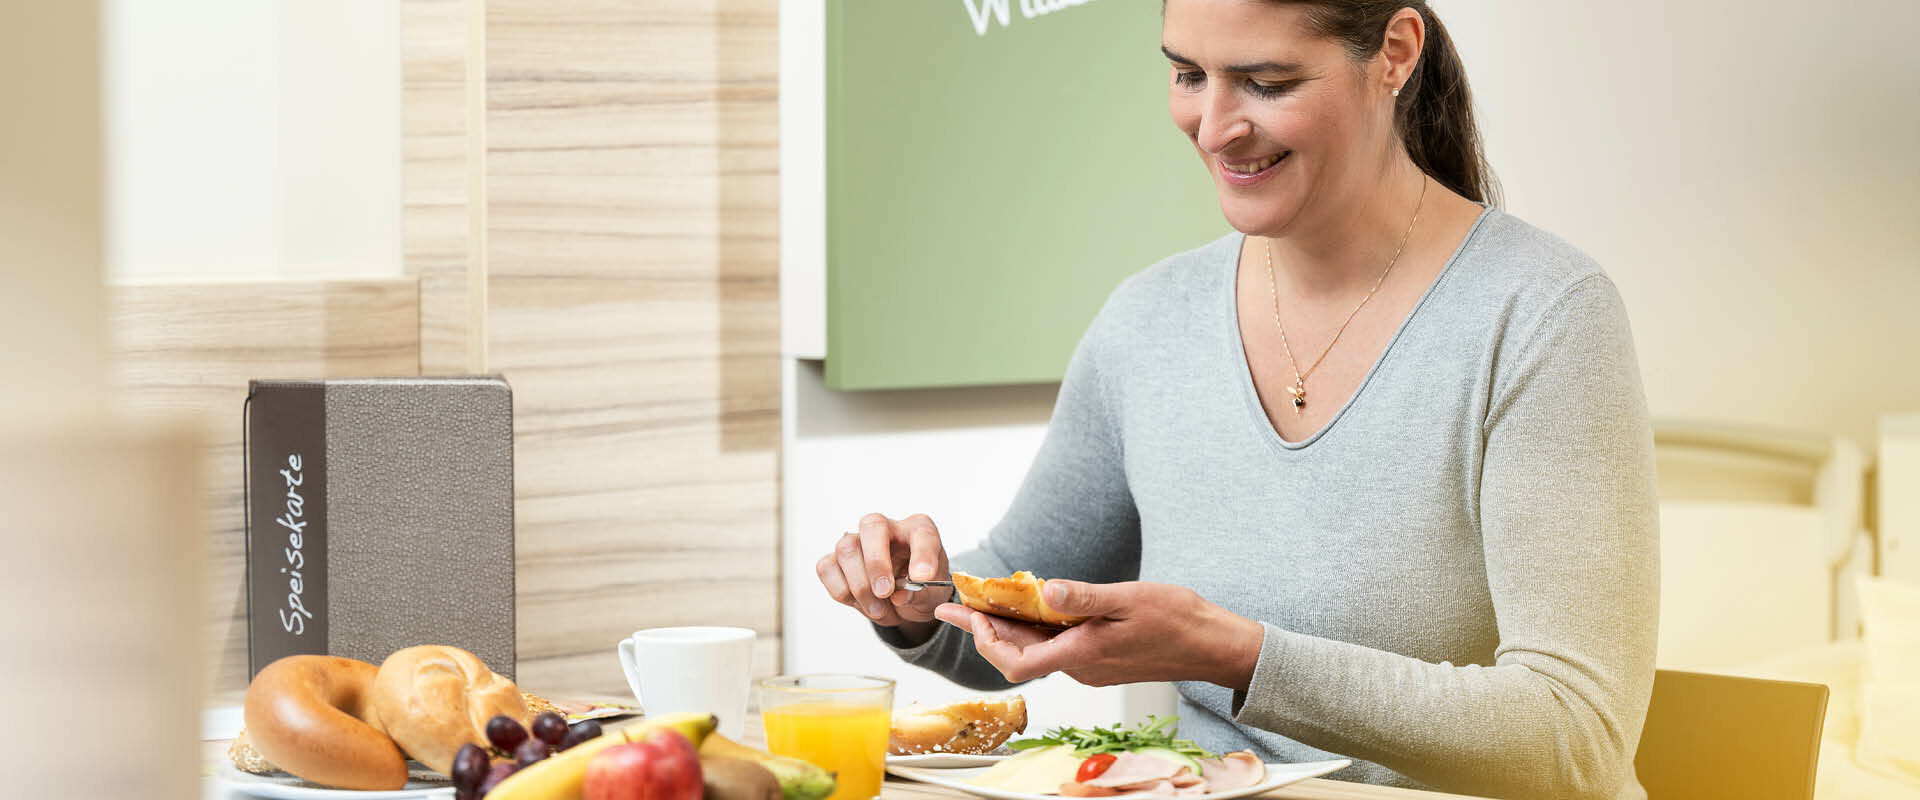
(505, 733)
(580, 732)
(470, 766)
(499, 773)
(550, 727)
(530, 751)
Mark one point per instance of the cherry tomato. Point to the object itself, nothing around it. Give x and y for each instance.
(1093, 766)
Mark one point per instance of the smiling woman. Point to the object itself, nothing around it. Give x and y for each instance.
(1425, 539)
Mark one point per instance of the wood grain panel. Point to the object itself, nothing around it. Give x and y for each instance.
(434, 186)
(633, 303)
(191, 348)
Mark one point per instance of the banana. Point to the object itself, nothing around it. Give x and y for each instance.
(799, 780)
(560, 777)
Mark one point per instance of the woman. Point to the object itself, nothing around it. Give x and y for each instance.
(1371, 476)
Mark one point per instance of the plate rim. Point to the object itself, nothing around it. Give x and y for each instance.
(918, 760)
(1319, 768)
(232, 779)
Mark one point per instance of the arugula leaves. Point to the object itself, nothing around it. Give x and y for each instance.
(1157, 731)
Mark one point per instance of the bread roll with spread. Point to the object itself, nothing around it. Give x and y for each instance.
(1016, 597)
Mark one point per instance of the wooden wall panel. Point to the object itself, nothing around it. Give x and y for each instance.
(191, 348)
(433, 35)
(633, 304)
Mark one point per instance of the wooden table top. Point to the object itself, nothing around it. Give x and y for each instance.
(214, 751)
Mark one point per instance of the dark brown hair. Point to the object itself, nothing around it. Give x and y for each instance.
(1434, 111)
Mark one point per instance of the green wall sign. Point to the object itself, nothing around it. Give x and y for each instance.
(994, 169)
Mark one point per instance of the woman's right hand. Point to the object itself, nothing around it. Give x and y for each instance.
(861, 571)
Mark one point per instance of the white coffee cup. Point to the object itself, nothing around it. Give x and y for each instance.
(692, 669)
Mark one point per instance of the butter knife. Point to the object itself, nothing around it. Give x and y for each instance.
(914, 586)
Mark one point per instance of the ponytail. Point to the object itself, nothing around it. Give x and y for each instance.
(1434, 112)
(1435, 117)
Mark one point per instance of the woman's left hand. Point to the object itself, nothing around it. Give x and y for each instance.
(1138, 632)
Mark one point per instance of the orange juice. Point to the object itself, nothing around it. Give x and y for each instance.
(844, 738)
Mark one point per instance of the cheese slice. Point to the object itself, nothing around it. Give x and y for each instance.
(1037, 771)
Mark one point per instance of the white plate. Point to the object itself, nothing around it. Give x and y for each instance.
(286, 787)
(1278, 775)
(946, 760)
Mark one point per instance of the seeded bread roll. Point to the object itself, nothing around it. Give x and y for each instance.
(969, 726)
(248, 759)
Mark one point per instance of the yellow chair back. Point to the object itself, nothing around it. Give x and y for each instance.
(1719, 736)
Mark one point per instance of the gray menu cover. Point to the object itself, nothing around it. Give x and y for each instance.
(396, 527)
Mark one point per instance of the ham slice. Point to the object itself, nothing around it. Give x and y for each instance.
(1131, 768)
(1185, 778)
(1078, 789)
(1233, 771)
(1162, 788)
(1136, 774)
(1186, 783)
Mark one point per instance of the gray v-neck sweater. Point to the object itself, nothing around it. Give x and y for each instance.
(1457, 575)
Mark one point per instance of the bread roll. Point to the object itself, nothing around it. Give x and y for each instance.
(969, 726)
(433, 699)
(1017, 597)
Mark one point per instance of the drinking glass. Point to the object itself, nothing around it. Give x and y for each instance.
(839, 722)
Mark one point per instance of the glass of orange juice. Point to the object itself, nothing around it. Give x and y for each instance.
(838, 722)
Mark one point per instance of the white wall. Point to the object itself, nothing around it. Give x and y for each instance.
(1747, 174)
(1743, 170)
(252, 139)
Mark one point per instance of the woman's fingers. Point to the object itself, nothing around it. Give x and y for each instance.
(922, 558)
(876, 545)
(1021, 634)
(1004, 656)
(1018, 650)
(954, 614)
(927, 557)
(853, 570)
(828, 568)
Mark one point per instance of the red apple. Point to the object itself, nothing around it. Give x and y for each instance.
(662, 766)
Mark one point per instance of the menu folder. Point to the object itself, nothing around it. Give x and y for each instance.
(379, 515)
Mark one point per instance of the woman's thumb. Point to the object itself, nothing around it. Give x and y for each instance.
(1081, 599)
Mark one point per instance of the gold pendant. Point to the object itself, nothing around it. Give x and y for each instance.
(1299, 392)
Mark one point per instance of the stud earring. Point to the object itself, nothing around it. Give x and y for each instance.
(1396, 91)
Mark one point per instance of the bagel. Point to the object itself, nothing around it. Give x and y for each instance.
(313, 716)
(247, 758)
(969, 726)
(432, 699)
(1016, 597)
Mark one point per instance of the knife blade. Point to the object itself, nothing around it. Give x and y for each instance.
(914, 586)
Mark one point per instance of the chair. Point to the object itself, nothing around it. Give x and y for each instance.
(1718, 736)
(1761, 533)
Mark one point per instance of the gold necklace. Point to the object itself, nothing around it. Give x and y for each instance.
(1299, 387)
